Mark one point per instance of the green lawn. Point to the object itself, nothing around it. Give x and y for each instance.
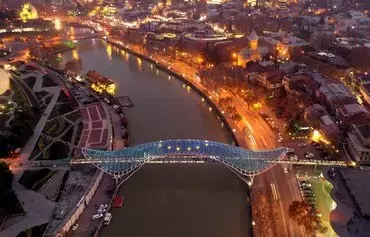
(325, 203)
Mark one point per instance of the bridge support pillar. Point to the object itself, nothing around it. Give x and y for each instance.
(250, 182)
(116, 179)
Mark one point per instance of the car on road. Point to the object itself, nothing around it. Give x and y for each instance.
(293, 157)
(315, 143)
(74, 227)
(301, 145)
(289, 150)
(309, 155)
(103, 206)
(102, 210)
(97, 216)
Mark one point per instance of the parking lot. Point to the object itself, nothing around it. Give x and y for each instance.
(316, 192)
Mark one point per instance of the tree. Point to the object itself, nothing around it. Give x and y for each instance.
(8, 200)
(6, 177)
(75, 65)
(303, 214)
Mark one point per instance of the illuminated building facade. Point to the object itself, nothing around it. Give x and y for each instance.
(282, 4)
(4, 81)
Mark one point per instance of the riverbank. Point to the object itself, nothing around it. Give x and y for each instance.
(165, 108)
(187, 82)
(203, 95)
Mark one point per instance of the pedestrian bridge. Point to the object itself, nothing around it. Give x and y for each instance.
(121, 162)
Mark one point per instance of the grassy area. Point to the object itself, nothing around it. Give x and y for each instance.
(325, 203)
(73, 116)
(35, 179)
(19, 96)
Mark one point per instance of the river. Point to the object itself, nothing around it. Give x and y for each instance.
(168, 200)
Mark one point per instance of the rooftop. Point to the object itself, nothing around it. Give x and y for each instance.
(366, 87)
(253, 35)
(336, 91)
(356, 181)
(364, 130)
(326, 120)
(77, 185)
(349, 109)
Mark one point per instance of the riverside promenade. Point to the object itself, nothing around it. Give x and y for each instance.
(251, 133)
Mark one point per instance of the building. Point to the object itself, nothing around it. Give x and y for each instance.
(347, 114)
(313, 114)
(4, 81)
(351, 190)
(282, 4)
(365, 92)
(251, 53)
(330, 129)
(334, 4)
(359, 144)
(272, 82)
(334, 95)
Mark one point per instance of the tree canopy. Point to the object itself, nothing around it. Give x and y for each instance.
(303, 214)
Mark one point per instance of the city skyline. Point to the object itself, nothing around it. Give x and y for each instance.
(218, 118)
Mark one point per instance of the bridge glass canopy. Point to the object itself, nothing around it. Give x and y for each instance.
(244, 161)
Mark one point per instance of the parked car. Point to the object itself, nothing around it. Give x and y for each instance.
(289, 150)
(97, 216)
(74, 227)
(102, 210)
(309, 155)
(293, 157)
(103, 206)
(306, 195)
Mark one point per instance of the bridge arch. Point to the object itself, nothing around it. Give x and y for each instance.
(121, 162)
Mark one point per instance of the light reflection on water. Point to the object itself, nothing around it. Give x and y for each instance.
(166, 108)
(160, 101)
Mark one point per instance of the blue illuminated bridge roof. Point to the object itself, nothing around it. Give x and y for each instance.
(246, 162)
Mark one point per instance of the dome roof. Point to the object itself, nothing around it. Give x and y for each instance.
(4, 81)
(253, 36)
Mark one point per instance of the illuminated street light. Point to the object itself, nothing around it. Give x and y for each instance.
(316, 136)
(57, 24)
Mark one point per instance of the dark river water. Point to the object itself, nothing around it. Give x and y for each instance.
(161, 199)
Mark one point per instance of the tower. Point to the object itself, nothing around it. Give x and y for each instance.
(253, 41)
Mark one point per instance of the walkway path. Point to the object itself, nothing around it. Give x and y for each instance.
(28, 148)
(38, 209)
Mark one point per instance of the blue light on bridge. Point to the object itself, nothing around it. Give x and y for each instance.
(246, 162)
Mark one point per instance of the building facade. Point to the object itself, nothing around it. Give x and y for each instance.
(359, 144)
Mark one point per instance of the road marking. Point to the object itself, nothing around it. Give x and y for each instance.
(249, 126)
(274, 193)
